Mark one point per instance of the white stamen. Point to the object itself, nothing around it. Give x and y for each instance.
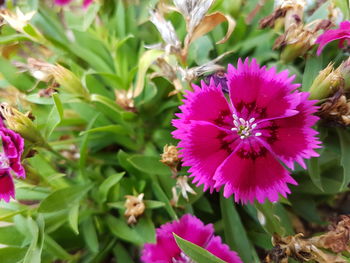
(244, 128)
(252, 120)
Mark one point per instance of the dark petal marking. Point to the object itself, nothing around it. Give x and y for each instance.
(251, 154)
(220, 121)
(252, 109)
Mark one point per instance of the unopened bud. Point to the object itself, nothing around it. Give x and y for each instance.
(69, 81)
(327, 81)
(134, 207)
(22, 124)
(344, 70)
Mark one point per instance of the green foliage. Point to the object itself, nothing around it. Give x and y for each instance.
(107, 123)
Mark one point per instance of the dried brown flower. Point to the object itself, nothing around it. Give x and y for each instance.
(134, 207)
(338, 238)
(125, 99)
(300, 249)
(336, 109)
(182, 187)
(170, 157)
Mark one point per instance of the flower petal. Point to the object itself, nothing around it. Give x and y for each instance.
(204, 148)
(205, 104)
(254, 91)
(7, 188)
(343, 33)
(222, 251)
(252, 172)
(297, 129)
(188, 227)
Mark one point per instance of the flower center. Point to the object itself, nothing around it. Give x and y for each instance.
(4, 162)
(182, 258)
(244, 128)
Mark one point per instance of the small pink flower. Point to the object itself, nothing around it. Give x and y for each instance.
(10, 161)
(342, 33)
(239, 141)
(189, 228)
(86, 3)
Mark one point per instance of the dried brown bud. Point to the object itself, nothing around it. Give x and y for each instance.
(125, 99)
(167, 31)
(269, 21)
(134, 207)
(170, 157)
(336, 109)
(182, 187)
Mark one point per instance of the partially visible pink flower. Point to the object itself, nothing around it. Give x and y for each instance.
(191, 229)
(342, 33)
(239, 142)
(86, 3)
(10, 161)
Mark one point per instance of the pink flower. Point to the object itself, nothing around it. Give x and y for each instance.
(10, 161)
(192, 229)
(86, 3)
(239, 142)
(342, 33)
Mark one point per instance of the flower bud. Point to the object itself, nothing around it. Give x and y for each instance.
(344, 70)
(22, 124)
(327, 81)
(69, 81)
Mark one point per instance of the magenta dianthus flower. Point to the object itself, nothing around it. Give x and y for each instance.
(189, 228)
(241, 143)
(10, 161)
(86, 3)
(342, 33)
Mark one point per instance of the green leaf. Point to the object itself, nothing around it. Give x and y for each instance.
(51, 246)
(196, 253)
(73, 216)
(151, 204)
(344, 137)
(268, 218)
(36, 229)
(90, 235)
(55, 116)
(120, 229)
(10, 236)
(82, 20)
(122, 254)
(63, 198)
(11, 74)
(12, 254)
(315, 172)
(144, 63)
(107, 184)
(235, 234)
(149, 164)
(313, 66)
(159, 193)
(12, 38)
